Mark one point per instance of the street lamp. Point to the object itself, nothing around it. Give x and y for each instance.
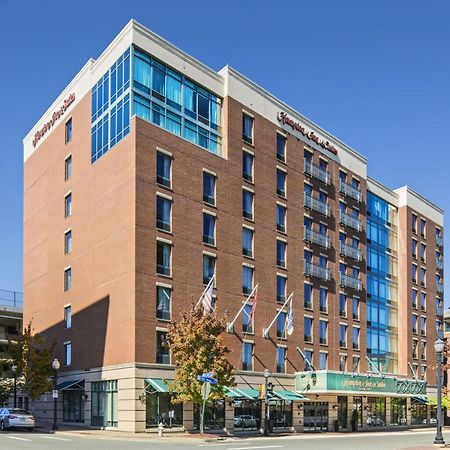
(55, 366)
(439, 348)
(14, 371)
(266, 402)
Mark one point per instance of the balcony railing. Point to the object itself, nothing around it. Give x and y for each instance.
(11, 299)
(439, 241)
(350, 221)
(440, 334)
(352, 252)
(314, 270)
(439, 311)
(351, 282)
(439, 264)
(316, 172)
(316, 204)
(316, 238)
(350, 191)
(439, 288)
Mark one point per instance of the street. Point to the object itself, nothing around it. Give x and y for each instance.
(405, 440)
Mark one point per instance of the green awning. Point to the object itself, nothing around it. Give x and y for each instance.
(245, 393)
(423, 399)
(232, 392)
(156, 385)
(289, 395)
(74, 385)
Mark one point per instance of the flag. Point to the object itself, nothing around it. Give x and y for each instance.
(255, 301)
(290, 320)
(207, 299)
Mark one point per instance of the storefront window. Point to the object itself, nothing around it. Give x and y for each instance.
(357, 406)
(398, 411)
(247, 414)
(104, 404)
(281, 413)
(73, 406)
(315, 416)
(342, 411)
(214, 415)
(160, 409)
(418, 412)
(376, 411)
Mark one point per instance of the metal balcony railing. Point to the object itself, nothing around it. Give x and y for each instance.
(352, 252)
(439, 241)
(316, 172)
(350, 191)
(11, 299)
(351, 282)
(439, 288)
(317, 271)
(316, 204)
(439, 264)
(350, 221)
(440, 334)
(439, 311)
(314, 237)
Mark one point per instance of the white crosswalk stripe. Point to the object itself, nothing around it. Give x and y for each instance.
(18, 438)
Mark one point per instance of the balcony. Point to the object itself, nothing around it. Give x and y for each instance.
(439, 241)
(315, 171)
(314, 237)
(350, 221)
(439, 264)
(315, 204)
(351, 252)
(439, 311)
(440, 334)
(11, 299)
(350, 191)
(351, 282)
(439, 288)
(313, 270)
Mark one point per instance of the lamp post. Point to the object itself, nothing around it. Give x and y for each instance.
(266, 402)
(14, 371)
(439, 348)
(55, 367)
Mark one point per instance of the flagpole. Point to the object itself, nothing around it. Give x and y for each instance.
(231, 324)
(266, 330)
(205, 290)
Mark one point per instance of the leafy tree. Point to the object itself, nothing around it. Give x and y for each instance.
(33, 360)
(6, 389)
(197, 345)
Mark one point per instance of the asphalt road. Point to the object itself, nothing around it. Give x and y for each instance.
(406, 440)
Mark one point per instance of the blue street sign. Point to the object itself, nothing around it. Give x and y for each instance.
(207, 378)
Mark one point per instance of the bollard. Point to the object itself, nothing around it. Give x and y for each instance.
(160, 429)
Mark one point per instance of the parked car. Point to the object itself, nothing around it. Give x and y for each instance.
(15, 418)
(245, 421)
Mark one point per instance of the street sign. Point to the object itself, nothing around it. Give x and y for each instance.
(55, 393)
(206, 390)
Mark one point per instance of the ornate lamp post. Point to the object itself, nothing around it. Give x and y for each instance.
(55, 366)
(439, 348)
(266, 402)
(14, 371)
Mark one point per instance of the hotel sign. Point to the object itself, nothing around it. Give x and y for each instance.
(55, 116)
(297, 126)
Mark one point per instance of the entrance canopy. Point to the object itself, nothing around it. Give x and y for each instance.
(288, 395)
(74, 385)
(253, 394)
(156, 385)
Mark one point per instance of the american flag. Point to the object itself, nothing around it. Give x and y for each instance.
(207, 299)
(255, 301)
(290, 320)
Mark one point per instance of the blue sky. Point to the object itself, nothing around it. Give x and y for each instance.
(375, 74)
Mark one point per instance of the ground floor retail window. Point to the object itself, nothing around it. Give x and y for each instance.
(376, 411)
(357, 411)
(315, 416)
(214, 415)
(342, 411)
(418, 413)
(247, 414)
(73, 406)
(280, 412)
(160, 409)
(398, 411)
(104, 404)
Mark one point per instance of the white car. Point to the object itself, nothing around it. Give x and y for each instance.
(15, 418)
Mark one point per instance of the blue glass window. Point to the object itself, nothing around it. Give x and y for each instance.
(281, 325)
(323, 357)
(281, 218)
(163, 300)
(209, 267)
(307, 295)
(163, 257)
(247, 279)
(67, 279)
(68, 131)
(281, 147)
(163, 213)
(355, 308)
(323, 299)
(281, 360)
(247, 204)
(323, 326)
(308, 329)
(163, 169)
(308, 360)
(342, 305)
(209, 188)
(68, 205)
(355, 338)
(247, 166)
(247, 319)
(281, 253)
(247, 242)
(342, 335)
(281, 289)
(247, 128)
(281, 183)
(247, 356)
(209, 229)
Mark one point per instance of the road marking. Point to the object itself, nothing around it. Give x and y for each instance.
(18, 438)
(54, 438)
(249, 448)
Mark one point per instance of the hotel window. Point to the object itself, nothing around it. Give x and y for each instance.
(281, 325)
(247, 279)
(323, 360)
(323, 261)
(281, 253)
(423, 354)
(423, 276)
(414, 298)
(355, 338)
(281, 183)
(423, 251)
(323, 299)
(209, 267)
(209, 188)
(68, 134)
(68, 205)
(355, 213)
(247, 319)
(163, 213)
(281, 360)
(163, 257)
(342, 335)
(342, 268)
(342, 176)
(209, 229)
(414, 348)
(414, 323)
(247, 128)
(163, 301)
(67, 279)
(247, 204)
(308, 323)
(247, 356)
(355, 183)
(323, 165)
(414, 273)
(423, 326)
(414, 223)
(281, 289)
(342, 363)
(67, 353)
(414, 248)
(342, 305)
(424, 372)
(68, 168)
(423, 301)
(67, 316)
(247, 166)
(355, 308)
(423, 224)
(308, 360)
(281, 147)
(307, 296)
(247, 242)
(355, 364)
(162, 349)
(308, 156)
(67, 242)
(281, 218)
(323, 325)
(163, 169)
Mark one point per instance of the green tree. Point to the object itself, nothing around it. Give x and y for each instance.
(197, 346)
(33, 359)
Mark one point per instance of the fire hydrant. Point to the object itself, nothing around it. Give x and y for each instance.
(161, 429)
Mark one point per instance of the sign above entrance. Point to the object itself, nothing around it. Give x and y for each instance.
(334, 382)
(286, 120)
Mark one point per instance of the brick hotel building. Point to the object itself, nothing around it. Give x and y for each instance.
(149, 173)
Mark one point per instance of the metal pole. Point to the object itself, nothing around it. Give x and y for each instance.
(439, 439)
(15, 389)
(266, 412)
(55, 400)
